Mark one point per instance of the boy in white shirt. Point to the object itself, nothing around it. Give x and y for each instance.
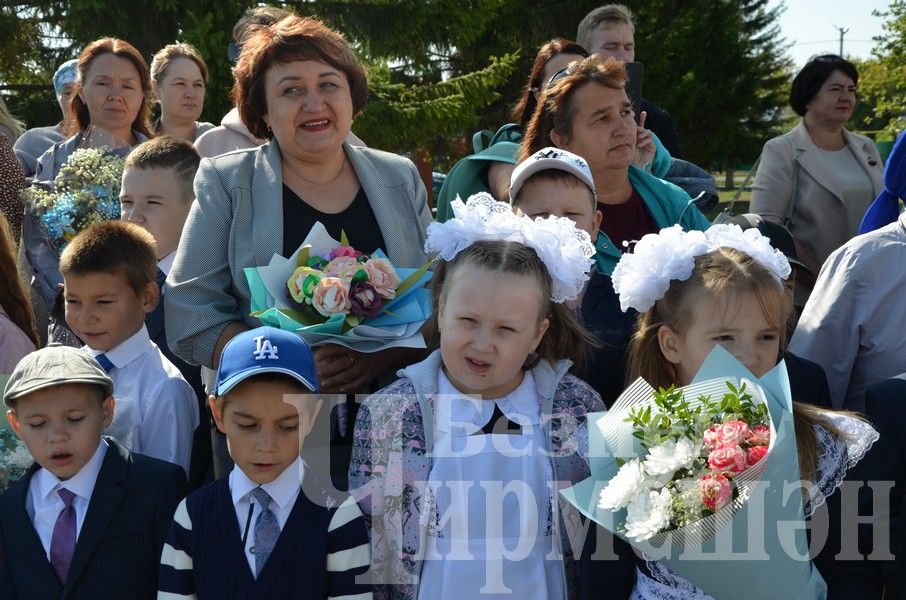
(156, 194)
(109, 286)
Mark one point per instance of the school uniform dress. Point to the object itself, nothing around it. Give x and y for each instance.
(320, 549)
(490, 541)
(156, 410)
(123, 504)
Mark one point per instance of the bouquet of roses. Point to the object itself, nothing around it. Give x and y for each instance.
(698, 457)
(14, 459)
(328, 291)
(85, 191)
(702, 478)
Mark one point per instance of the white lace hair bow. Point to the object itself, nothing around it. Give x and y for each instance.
(564, 249)
(642, 278)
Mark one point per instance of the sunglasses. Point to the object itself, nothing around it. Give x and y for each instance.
(557, 77)
(233, 51)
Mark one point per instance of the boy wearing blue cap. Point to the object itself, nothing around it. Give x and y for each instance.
(271, 529)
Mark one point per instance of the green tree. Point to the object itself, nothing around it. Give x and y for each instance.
(882, 79)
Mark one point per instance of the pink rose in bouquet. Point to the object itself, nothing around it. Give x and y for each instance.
(727, 460)
(382, 276)
(754, 454)
(725, 434)
(715, 491)
(331, 296)
(343, 267)
(364, 300)
(345, 251)
(760, 435)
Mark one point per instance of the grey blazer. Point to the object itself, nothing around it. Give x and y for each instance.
(819, 223)
(236, 222)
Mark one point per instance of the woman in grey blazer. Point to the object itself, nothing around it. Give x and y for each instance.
(299, 85)
(819, 179)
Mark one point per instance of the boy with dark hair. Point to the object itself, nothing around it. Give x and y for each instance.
(271, 528)
(89, 518)
(156, 194)
(108, 274)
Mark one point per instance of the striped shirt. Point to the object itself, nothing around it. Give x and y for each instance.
(322, 548)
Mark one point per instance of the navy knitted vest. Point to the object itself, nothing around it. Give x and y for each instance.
(296, 569)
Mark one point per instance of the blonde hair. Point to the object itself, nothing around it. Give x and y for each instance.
(718, 274)
(9, 121)
(604, 16)
(171, 52)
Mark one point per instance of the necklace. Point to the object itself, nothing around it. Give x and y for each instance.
(314, 181)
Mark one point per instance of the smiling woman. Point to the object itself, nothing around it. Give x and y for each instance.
(298, 85)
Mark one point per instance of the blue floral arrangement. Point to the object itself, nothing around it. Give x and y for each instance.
(85, 191)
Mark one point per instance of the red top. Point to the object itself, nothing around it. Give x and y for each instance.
(627, 222)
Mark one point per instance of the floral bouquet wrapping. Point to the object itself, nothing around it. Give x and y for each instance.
(328, 291)
(14, 459)
(705, 480)
(85, 191)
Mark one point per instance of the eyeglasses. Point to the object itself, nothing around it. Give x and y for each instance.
(557, 77)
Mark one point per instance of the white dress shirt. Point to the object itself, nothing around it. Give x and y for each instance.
(283, 492)
(166, 263)
(156, 411)
(43, 503)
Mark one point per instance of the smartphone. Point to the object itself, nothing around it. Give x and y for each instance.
(635, 72)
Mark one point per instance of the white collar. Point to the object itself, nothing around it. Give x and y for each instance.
(469, 414)
(166, 263)
(81, 484)
(281, 490)
(127, 350)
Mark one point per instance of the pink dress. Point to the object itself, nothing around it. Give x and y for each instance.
(14, 344)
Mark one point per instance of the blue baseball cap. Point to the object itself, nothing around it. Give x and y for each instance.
(265, 350)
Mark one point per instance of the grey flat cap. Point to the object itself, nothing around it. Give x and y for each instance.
(54, 365)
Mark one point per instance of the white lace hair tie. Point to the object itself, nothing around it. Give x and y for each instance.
(642, 278)
(564, 249)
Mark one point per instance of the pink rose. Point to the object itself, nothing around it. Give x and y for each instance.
(331, 297)
(760, 435)
(724, 434)
(754, 454)
(715, 491)
(343, 267)
(727, 460)
(345, 251)
(382, 276)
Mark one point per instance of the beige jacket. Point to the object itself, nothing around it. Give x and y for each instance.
(819, 223)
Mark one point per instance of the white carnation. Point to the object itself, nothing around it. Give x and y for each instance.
(671, 455)
(648, 514)
(628, 482)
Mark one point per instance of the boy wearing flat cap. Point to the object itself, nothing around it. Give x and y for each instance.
(88, 519)
(271, 529)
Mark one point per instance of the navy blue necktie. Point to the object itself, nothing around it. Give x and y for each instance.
(155, 319)
(105, 362)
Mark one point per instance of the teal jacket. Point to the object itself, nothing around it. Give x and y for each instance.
(668, 206)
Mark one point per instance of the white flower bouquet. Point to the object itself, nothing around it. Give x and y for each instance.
(328, 291)
(705, 480)
(85, 191)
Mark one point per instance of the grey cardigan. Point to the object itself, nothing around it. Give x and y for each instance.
(236, 222)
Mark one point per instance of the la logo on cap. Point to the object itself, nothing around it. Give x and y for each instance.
(264, 349)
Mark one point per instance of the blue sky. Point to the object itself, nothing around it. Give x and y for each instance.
(811, 26)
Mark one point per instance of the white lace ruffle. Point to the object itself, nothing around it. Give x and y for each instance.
(835, 457)
(564, 249)
(838, 455)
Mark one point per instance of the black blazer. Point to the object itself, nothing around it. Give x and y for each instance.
(118, 550)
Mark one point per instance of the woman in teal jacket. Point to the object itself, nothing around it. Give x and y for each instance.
(586, 111)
